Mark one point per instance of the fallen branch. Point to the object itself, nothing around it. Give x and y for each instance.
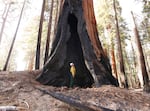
(8, 108)
(79, 104)
(106, 98)
(13, 108)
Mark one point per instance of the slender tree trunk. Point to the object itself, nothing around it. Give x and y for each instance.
(146, 27)
(146, 61)
(112, 53)
(31, 61)
(119, 49)
(113, 63)
(56, 16)
(37, 61)
(5, 15)
(14, 38)
(49, 32)
(134, 67)
(134, 58)
(140, 57)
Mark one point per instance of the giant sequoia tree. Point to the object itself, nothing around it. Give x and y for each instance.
(76, 41)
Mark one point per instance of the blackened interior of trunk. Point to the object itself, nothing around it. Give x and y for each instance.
(83, 77)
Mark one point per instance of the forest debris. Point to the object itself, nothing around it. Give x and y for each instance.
(8, 108)
(75, 102)
(100, 99)
(12, 108)
(26, 104)
(15, 108)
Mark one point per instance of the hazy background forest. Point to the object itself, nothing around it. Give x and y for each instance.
(24, 49)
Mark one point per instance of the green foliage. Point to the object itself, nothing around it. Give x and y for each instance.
(106, 21)
(145, 24)
(145, 33)
(107, 29)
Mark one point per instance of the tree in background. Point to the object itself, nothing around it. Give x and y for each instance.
(49, 32)
(119, 51)
(4, 17)
(38, 50)
(38, 54)
(14, 38)
(145, 36)
(10, 29)
(144, 79)
(31, 32)
(107, 31)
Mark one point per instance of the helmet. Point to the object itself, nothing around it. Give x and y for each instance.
(71, 64)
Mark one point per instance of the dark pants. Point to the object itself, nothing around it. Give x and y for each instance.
(71, 80)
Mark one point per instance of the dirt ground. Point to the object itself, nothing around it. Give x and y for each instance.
(20, 89)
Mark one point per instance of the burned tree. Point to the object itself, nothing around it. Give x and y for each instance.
(77, 41)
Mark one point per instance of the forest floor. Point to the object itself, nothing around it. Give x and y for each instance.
(20, 89)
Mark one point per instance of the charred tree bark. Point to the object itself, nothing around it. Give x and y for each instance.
(77, 41)
(140, 57)
(38, 51)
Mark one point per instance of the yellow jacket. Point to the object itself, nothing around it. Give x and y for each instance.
(73, 70)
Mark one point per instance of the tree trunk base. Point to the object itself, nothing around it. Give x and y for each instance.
(147, 87)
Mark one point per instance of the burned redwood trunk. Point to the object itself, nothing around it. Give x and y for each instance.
(77, 41)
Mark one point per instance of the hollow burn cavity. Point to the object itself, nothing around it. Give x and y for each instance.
(83, 77)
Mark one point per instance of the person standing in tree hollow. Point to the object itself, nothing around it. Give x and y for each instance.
(73, 73)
